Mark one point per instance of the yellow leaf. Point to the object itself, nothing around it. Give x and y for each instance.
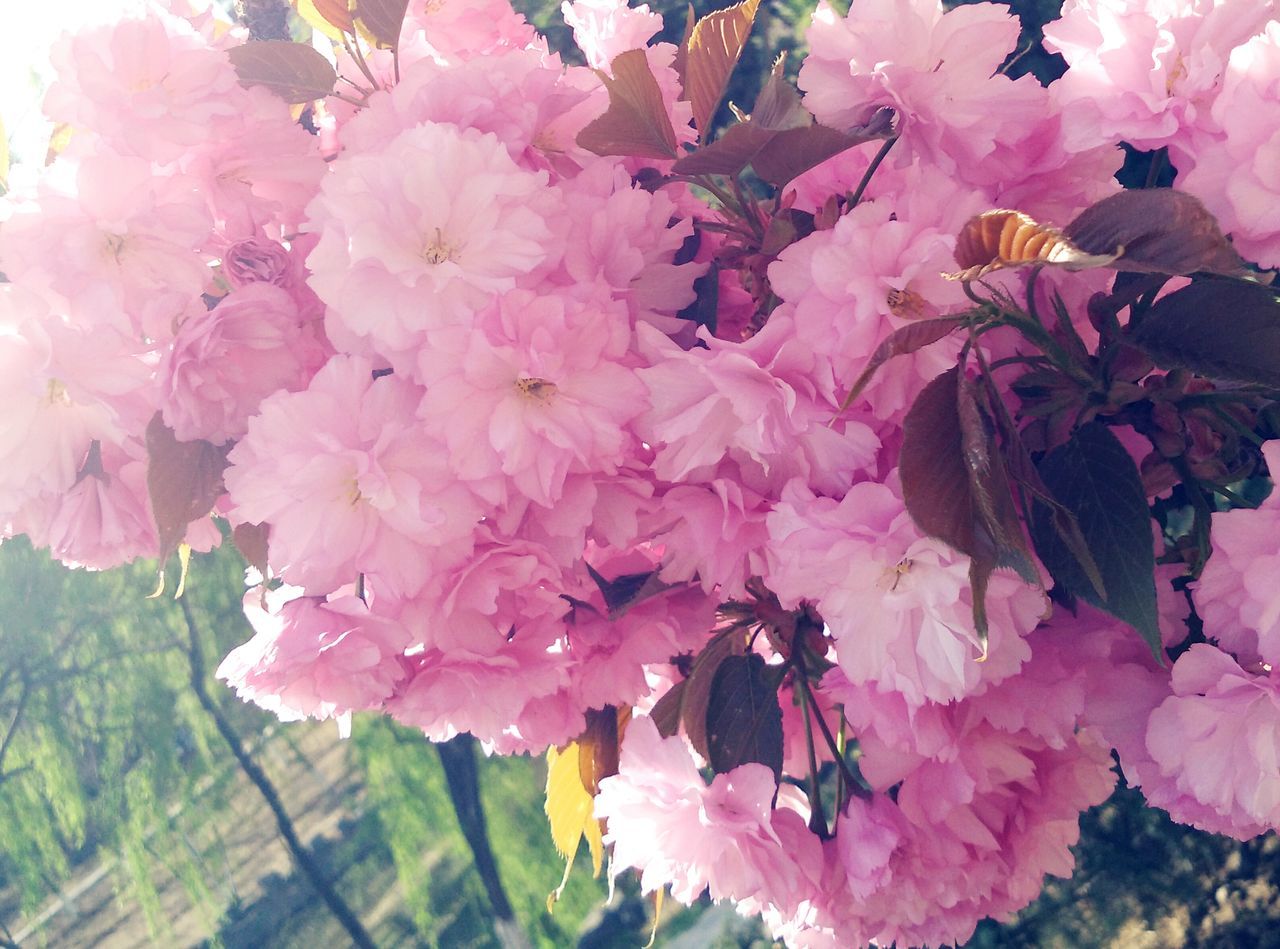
(569, 810)
(329, 17)
(711, 52)
(658, 896)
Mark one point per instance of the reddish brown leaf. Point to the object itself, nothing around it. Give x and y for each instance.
(184, 480)
(778, 106)
(251, 541)
(794, 151)
(636, 122)
(729, 154)
(382, 18)
(598, 747)
(744, 719)
(711, 52)
(697, 688)
(955, 486)
(666, 711)
(902, 341)
(293, 71)
(1156, 230)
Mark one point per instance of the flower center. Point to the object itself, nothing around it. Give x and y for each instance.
(906, 304)
(56, 393)
(892, 576)
(440, 250)
(536, 390)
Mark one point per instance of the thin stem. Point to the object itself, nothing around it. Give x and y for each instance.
(855, 785)
(1158, 161)
(871, 170)
(840, 746)
(817, 816)
(353, 50)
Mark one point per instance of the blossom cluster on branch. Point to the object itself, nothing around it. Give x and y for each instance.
(837, 492)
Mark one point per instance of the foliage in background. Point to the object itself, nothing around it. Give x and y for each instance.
(104, 747)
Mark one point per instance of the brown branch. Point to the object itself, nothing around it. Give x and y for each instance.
(306, 863)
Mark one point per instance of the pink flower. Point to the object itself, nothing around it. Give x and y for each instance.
(315, 658)
(897, 604)
(879, 268)
(104, 519)
(1147, 73)
(378, 496)
(113, 236)
(536, 390)
(149, 86)
(938, 71)
(408, 244)
(1237, 595)
(519, 95)
(1218, 738)
(226, 360)
(256, 260)
(604, 28)
(1237, 175)
(665, 822)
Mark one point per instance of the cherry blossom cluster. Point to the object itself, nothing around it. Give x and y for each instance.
(446, 355)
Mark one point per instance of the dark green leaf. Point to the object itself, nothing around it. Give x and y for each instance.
(744, 719)
(1155, 230)
(1093, 477)
(1225, 329)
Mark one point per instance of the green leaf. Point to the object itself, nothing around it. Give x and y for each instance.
(711, 52)
(382, 18)
(744, 719)
(1225, 329)
(184, 480)
(636, 123)
(1093, 477)
(293, 71)
(1155, 230)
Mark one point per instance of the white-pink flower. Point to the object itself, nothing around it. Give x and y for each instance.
(350, 483)
(226, 360)
(897, 604)
(423, 233)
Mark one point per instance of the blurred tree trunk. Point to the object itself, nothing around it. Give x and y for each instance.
(458, 758)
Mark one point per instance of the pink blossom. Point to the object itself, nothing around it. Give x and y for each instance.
(315, 658)
(937, 70)
(879, 268)
(536, 390)
(226, 360)
(381, 500)
(256, 260)
(149, 86)
(1218, 738)
(104, 519)
(1237, 176)
(1236, 595)
(665, 822)
(406, 244)
(604, 28)
(521, 96)
(897, 604)
(1148, 73)
(455, 30)
(112, 235)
